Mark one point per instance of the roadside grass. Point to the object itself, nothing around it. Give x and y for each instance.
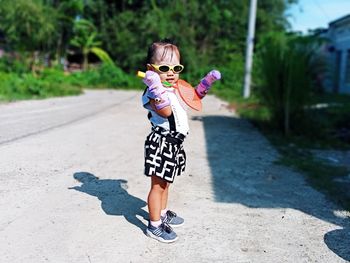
(15, 86)
(325, 128)
(53, 82)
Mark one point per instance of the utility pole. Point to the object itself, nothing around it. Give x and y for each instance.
(250, 47)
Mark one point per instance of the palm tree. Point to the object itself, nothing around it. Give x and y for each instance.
(86, 39)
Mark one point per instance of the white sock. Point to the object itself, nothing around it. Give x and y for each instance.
(156, 223)
(163, 212)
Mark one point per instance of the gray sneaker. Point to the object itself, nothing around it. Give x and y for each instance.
(172, 219)
(163, 233)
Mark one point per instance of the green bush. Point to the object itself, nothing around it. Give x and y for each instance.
(15, 87)
(105, 76)
(54, 82)
(8, 64)
(110, 76)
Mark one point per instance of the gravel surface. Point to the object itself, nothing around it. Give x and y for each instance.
(72, 189)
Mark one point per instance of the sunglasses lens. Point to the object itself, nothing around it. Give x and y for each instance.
(164, 68)
(178, 68)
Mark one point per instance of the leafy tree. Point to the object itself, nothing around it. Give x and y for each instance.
(28, 25)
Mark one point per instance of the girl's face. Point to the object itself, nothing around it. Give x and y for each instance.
(169, 57)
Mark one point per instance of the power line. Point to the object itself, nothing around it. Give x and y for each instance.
(321, 8)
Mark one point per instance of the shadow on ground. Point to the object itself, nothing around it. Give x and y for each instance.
(115, 200)
(243, 170)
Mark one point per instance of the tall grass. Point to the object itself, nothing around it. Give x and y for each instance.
(287, 66)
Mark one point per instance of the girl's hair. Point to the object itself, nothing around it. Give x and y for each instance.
(167, 44)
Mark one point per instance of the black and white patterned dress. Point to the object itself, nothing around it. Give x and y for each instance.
(165, 156)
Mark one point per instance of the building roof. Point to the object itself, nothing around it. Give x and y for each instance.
(339, 20)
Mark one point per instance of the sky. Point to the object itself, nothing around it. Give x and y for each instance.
(311, 14)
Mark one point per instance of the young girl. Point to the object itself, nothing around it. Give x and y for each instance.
(165, 157)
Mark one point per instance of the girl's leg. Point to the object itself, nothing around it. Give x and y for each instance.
(155, 197)
(165, 196)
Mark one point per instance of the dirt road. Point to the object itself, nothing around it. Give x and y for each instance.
(72, 189)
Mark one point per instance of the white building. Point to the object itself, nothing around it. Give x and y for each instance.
(338, 49)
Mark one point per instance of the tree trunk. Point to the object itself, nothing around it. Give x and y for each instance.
(85, 61)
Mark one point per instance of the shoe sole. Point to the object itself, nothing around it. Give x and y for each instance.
(178, 225)
(159, 238)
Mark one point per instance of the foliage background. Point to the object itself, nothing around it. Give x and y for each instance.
(210, 33)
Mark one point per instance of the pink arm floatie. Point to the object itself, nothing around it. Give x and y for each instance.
(205, 84)
(156, 90)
